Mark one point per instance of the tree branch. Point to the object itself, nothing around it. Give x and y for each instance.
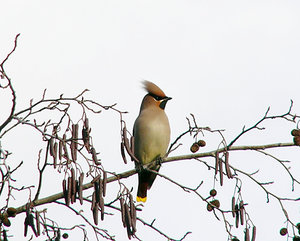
(129, 173)
(10, 86)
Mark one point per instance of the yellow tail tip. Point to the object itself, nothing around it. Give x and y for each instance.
(141, 199)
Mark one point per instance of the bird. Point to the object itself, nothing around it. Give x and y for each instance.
(151, 132)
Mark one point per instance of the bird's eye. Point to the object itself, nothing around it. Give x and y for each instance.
(158, 98)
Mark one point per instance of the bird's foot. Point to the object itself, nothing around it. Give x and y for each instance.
(158, 161)
(139, 167)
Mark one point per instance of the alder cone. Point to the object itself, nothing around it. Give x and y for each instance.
(6, 221)
(283, 231)
(201, 143)
(11, 212)
(65, 235)
(216, 203)
(213, 192)
(209, 207)
(295, 132)
(195, 147)
(298, 227)
(297, 140)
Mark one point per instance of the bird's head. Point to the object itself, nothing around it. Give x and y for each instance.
(155, 97)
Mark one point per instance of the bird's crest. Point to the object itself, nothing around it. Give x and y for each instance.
(153, 89)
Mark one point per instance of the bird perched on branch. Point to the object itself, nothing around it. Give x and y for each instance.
(151, 133)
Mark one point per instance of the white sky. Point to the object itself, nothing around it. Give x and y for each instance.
(223, 61)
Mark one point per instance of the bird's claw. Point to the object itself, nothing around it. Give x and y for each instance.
(158, 161)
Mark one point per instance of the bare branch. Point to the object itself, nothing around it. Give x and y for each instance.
(2, 72)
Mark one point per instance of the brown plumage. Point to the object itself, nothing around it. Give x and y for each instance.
(151, 135)
(153, 89)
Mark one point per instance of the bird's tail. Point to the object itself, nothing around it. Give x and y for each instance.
(146, 180)
(142, 192)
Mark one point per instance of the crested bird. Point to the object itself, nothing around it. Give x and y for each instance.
(151, 133)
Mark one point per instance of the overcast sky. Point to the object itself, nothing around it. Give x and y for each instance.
(223, 61)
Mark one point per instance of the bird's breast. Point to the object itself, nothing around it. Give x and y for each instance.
(151, 136)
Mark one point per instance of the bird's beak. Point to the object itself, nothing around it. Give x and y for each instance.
(164, 102)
